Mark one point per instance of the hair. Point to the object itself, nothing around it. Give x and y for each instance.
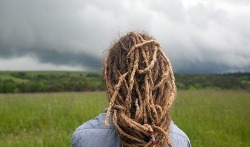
(141, 88)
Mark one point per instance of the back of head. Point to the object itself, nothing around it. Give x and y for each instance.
(141, 88)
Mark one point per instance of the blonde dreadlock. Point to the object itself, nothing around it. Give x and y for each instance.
(141, 88)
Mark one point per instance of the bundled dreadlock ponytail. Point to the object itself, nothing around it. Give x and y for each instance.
(141, 88)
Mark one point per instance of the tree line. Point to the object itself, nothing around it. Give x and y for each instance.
(31, 82)
(221, 81)
(50, 82)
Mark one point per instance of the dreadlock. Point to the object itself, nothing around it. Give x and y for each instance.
(141, 88)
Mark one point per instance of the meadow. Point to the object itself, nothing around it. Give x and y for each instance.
(209, 117)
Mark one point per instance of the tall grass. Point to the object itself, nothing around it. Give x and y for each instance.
(45, 119)
(208, 117)
(213, 117)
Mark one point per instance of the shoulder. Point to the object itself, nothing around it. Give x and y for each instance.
(96, 123)
(95, 133)
(178, 137)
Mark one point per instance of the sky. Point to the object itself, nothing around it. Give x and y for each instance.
(199, 36)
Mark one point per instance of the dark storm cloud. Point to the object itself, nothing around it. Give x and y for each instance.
(85, 60)
(197, 36)
(89, 62)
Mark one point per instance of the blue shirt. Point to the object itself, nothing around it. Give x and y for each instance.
(94, 133)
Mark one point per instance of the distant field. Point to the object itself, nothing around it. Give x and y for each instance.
(79, 81)
(49, 81)
(209, 117)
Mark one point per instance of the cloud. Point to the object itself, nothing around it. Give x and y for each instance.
(47, 56)
(207, 36)
(29, 64)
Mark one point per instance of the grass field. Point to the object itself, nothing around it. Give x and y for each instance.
(209, 117)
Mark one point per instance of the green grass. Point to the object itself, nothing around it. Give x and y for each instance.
(45, 119)
(208, 117)
(214, 117)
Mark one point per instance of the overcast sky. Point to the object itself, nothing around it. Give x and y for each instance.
(199, 36)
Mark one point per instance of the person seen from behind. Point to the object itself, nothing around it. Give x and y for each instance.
(141, 89)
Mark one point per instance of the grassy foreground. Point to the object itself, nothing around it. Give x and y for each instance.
(208, 117)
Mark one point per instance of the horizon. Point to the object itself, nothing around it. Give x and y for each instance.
(100, 72)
